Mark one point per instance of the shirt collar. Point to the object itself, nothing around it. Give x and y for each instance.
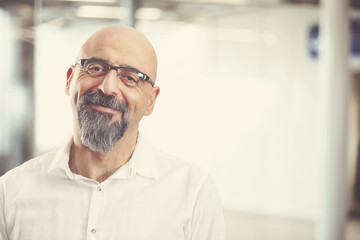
(142, 162)
(61, 159)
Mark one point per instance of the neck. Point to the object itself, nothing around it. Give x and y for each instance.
(100, 166)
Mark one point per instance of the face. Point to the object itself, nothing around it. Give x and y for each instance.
(105, 108)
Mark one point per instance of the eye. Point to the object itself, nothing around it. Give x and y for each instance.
(130, 78)
(96, 68)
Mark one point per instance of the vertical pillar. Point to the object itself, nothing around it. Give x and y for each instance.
(334, 93)
(17, 77)
(131, 5)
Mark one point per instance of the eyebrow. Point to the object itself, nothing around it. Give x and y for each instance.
(107, 62)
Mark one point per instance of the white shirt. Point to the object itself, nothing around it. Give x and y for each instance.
(154, 196)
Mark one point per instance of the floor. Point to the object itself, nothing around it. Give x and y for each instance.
(245, 226)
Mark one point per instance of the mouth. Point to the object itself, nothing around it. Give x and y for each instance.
(103, 108)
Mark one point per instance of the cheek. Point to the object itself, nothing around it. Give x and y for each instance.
(79, 87)
(141, 106)
(137, 105)
(74, 96)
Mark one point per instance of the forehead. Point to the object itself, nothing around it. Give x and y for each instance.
(118, 48)
(115, 55)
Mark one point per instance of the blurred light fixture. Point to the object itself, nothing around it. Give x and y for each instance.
(102, 12)
(148, 13)
(57, 22)
(226, 1)
(90, 1)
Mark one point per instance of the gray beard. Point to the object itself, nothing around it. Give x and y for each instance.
(96, 132)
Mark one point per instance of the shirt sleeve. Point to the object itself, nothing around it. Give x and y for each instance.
(208, 218)
(3, 234)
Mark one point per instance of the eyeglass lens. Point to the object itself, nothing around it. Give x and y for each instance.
(127, 76)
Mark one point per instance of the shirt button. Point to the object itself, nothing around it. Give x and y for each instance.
(98, 188)
(93, 231)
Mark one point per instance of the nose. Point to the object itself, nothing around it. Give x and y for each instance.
(110, 84)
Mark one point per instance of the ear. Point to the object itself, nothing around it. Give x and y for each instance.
(69, 75)
(150, 107)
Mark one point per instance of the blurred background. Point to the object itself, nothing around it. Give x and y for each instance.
(239, 95)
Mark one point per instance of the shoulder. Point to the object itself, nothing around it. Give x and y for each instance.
(172, 162)
(152, 162)
(32, 167)
(186, 170)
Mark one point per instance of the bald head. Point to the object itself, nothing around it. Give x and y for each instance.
(121, 46)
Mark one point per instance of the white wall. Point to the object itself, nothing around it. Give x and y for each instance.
(240, 97)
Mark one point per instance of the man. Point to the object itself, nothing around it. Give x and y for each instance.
(107, 182)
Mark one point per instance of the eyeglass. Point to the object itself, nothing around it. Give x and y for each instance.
(128, 75)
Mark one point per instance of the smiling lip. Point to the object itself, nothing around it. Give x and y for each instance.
(103, 109)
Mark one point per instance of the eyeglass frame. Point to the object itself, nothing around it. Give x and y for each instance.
(112, 67)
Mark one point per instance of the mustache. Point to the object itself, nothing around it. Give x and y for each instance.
(109, 101)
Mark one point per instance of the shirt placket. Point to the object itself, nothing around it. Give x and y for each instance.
(95, 212)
